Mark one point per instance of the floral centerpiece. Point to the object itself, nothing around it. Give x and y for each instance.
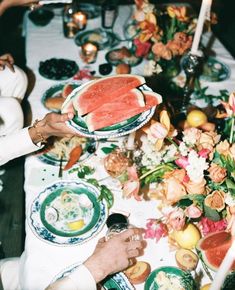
(191, 174)
(163, 35)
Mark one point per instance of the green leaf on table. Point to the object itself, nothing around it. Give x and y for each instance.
(84, 170)
(212, 214)
(107, 195)
(93, 181)
(108, 150)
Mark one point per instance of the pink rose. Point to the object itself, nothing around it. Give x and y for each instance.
(182, 162)
(176, 219)
(155, 230)
(193, 211)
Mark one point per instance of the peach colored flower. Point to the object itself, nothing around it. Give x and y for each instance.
(173, 187)
(193, 211)
(223, 147)
(195, 187)
(180, 43)
(230, 105)
(178, 12)
(161, 51)
(215, 200)
(217, 173)
(208, 140)
(232, 151)
(176, 219)
(158, 130)
(132, 186)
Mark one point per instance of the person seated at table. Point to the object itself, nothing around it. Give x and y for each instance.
(30, 139)
(13, 85)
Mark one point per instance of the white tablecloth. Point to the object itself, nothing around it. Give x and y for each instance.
(41, 260)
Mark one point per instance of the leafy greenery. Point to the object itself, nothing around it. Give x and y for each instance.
(108, 150)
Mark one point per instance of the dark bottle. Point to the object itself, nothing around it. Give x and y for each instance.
(109, 13)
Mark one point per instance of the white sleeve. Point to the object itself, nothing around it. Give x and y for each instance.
(16, 144)
(80, 279)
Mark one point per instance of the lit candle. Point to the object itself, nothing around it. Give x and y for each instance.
(224, 268)
(89, 52)
(130, 145)
(80, 20)
(205, 9)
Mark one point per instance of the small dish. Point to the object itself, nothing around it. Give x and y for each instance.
(58, 68)
(115, 57)
(171, 275)
(102, 38)
(41, 17)
(214, 70)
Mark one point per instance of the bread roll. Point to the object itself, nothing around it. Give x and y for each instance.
(123, 68)
(138, 273)
(54, 103)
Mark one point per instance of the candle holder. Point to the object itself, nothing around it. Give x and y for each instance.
(80, 19)
(89, 52)
(192, 65)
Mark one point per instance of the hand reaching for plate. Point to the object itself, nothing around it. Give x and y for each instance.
(51, 125)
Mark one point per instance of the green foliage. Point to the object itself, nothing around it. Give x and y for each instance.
(212, 214)
(84, 170)
(108, 150)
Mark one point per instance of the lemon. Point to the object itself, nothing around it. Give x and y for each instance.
(196, 118)
(206, 287)
(76, 225)
(188, 237)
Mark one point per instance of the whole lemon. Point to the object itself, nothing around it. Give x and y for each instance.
(188, 237)
(76, 225)
(206, 287)
(196, 118)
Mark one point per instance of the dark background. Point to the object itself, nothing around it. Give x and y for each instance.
(12, 197)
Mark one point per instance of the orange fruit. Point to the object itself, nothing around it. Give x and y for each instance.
(196, 118)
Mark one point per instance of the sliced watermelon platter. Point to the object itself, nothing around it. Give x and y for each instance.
(111, 106)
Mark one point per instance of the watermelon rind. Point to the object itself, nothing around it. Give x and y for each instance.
(211, 253)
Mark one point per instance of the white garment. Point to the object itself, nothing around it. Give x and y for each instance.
(80, 279)
(16, 144)
(13, 86)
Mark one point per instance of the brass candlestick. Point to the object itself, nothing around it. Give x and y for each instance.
(192, 68)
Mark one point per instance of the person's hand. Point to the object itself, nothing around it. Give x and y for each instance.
(52, 124)
(6, 60)
(115, 254)
(5, 4)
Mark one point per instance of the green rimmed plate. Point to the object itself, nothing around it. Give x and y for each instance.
(55, 91)
(132, 60)
(214, 70)
(120, 129)
(67, 213)
(175, 275)
(102, 38)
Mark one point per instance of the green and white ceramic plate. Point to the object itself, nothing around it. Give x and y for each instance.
(55, 91)
(118, 281)
(169, 276)
(92, 11)
(102, 38)
(52, 156)
(132, 60)
(120, 129)
(214, 70)
(67, 213)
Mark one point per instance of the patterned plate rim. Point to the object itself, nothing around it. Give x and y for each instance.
(37, 227)
(127, 129)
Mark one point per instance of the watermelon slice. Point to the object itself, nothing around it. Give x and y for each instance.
(67, 89)
(213, 249)
(121, 109)
(102, 91)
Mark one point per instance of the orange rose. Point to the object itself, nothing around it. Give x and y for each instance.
(208, 140)
(196, 187)
(223, 148)
(217, 173)
(161, 51)
(215, 200)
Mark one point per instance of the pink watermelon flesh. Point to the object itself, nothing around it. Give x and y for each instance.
(112, 113)
(214, 248)
(103, 91)
(67, 89)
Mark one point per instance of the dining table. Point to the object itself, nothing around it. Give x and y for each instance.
(48, 256)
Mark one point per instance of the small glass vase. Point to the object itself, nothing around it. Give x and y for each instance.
(170, 68)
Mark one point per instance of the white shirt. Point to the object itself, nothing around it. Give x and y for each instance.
(16, 144)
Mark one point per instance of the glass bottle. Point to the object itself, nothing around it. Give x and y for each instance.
(109, 13)
(116, 223)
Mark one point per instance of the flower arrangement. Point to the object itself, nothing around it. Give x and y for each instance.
(190, 173)
(162, 35)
